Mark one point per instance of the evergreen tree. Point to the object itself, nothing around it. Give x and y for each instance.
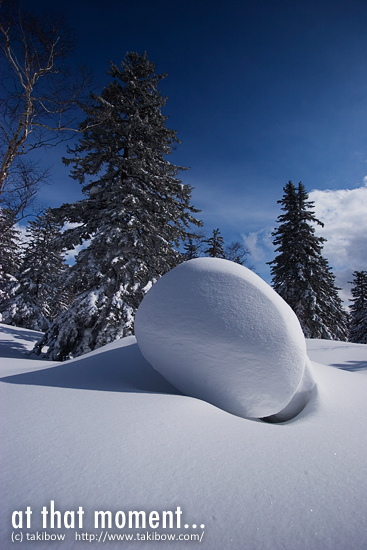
(358, 309)
(10, 254)
(300, 274)
(216, 248)
(193, 246)
(135, 212)
(38, 298)
(190, 249)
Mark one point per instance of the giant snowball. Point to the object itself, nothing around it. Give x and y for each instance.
(218, 332)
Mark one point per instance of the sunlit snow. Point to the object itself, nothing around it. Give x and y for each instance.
(218, 332)
(106, 432)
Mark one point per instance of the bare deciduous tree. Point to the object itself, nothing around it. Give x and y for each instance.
(39, 96)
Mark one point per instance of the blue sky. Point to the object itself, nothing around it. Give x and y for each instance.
(259, 92)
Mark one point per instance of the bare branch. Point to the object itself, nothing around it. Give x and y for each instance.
(39, 94)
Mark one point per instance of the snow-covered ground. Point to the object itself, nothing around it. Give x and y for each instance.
(105, 432)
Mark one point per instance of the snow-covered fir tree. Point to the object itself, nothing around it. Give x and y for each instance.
(300, 274)
(135, 213)
(10, 255)
(358, 309)
(38, 297)
(216, 245)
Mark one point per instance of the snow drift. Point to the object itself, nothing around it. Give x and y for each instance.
(218, 332)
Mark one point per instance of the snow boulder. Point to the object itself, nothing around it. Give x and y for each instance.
(218, 332)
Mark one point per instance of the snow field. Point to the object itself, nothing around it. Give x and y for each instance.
(105, 431)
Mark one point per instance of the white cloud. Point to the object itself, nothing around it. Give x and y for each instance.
(259, 244)
(344, 213)
(22, 232)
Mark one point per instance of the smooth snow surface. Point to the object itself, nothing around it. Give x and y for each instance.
(106, 432)
(218, 332)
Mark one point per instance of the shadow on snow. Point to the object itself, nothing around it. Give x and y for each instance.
(119, 369)
(14, 347)
(351, 366)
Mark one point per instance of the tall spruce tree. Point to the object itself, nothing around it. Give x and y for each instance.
(358, 309)
(135, 212)
(300, 274)
(38, 297)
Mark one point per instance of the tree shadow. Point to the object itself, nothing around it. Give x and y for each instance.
(352, 366)
(121, 369)
(15, 346)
